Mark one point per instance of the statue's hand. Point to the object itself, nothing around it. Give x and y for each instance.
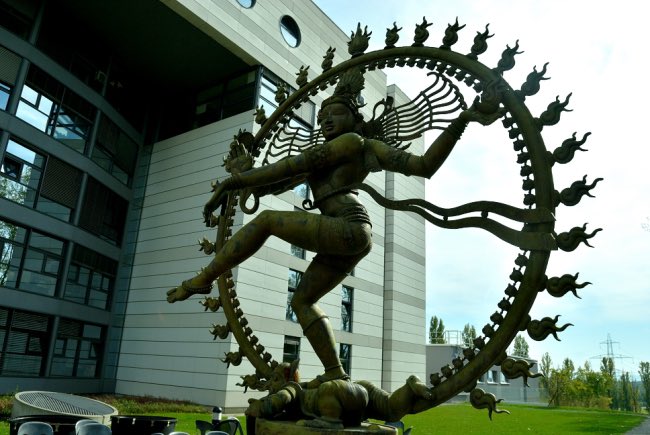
(239, 163)
(477, 113)
(218, 197)
(238, 160)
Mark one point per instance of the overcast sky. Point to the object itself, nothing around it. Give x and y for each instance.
(596, 51)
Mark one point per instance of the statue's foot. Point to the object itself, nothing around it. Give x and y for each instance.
(419, 388)
(185, 290)
(321, 379)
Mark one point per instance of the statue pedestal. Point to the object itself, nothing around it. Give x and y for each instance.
(268, 427)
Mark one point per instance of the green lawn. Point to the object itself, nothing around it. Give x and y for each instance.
(463, 419)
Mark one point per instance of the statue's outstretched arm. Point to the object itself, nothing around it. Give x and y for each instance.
(318, 157)
(395, 160)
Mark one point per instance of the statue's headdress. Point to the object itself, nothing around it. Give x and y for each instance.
(347, 91)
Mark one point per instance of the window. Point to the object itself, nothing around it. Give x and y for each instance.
(5, 91)
(290, 31)
(23, 342)
(304, 116)
(91, 277)
(225, 99)
(77, 350)
(38, 181)
(246, 3)
(345, 355)
(41, 265)
(103, 212)
(115, 151)
(50, 107)
(297, 251)
(291, 349)
(294, 280)
(30, 260)
(18, 16)
(12, 248)
(346, 308)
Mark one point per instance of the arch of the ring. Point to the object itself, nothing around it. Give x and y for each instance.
(529, 274)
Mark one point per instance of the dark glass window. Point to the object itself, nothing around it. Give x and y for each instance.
(225, 99)
(52, 108)
(303, 119)
(294, 280)
(5, 92)
(23, 342)
(18, 16)
(41, 265)
(12, 248)
(115, 151)
(30, 260)
(34, 180)
(297, 251)
(345, 356)
(103, 212)
(77, 350)
(290, 31)
(91, 278)
(291, 349)
(346, 308)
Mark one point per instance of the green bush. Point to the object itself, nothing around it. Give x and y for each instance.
(148, 404)
(5, 406)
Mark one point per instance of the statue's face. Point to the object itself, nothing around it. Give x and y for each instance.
(336, 119)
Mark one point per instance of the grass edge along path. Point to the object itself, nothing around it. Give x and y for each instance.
(442, 420)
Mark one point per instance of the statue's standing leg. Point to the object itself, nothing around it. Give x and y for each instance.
(323, 274)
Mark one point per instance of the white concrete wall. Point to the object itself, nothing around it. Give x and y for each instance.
(404, 282)
(166, 349)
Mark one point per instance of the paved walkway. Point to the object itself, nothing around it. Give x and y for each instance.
(642, 429)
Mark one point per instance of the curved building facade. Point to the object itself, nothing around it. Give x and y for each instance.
(114, 118)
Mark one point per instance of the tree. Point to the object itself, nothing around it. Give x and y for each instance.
(520, 347)
(644, 373)
(568, 366)
(436, 331)
(629, 395)
(468, 335)
(545, 367)
(607, 368)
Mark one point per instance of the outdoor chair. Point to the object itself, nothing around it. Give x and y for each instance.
(35, 428)
(93, 429)
(216, 432)
(82, 423)
(230, 426)
(179, 433)
(204, 426)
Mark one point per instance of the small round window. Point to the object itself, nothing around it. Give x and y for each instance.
(246, 3)
(290, 31)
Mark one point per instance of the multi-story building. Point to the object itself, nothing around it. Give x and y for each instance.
(114, 118)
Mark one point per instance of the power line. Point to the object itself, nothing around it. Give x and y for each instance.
(610, 353)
